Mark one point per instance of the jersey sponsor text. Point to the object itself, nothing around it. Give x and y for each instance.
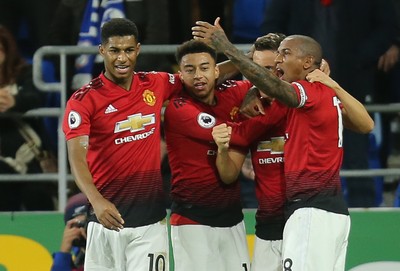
(270, 160)
(132, 138)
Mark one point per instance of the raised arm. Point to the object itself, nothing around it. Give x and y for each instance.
(229, 161)
(261, 77)
(355, 116)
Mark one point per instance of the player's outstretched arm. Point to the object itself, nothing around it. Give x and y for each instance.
(229, 162)
(355, 116)
(106, 212)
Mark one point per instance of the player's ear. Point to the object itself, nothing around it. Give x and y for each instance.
(216, 71)
(308, 62)
(101, 49)
(138, 49)
(180, 76)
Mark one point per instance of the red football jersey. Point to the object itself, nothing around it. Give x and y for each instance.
(266, 137)
(197, 191)
(313, 149)
(124, 140)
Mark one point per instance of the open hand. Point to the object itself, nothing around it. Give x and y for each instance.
(212, 35)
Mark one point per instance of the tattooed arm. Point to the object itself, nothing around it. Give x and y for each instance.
(261, 77)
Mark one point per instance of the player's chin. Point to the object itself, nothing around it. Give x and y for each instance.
(122, 75)
(200, 94)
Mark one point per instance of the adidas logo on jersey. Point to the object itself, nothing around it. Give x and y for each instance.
(110, 109)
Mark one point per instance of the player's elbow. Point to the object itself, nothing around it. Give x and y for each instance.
(369, 126)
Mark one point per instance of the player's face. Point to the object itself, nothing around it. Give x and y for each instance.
(265, 58)
(289, 62)
(198, 73)
(120, 54)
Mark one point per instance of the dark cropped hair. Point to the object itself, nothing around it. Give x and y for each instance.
(192, 47)
(270, 41)
(118, 27)
(13, 62)
(309, 47)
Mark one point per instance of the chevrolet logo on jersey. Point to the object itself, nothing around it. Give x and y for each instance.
(135, 123)
(275, 145)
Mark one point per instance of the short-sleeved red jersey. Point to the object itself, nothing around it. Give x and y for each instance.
(197, 191)
(265, 135)
(313, 149)
(124, 140)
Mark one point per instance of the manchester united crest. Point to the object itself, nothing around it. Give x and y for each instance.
(149, 98)
(234, 113)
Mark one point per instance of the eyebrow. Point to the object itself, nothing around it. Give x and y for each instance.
(201, 64)
(285, 50)
(112, 46)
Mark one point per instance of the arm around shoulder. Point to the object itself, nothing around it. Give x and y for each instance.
(355, 116)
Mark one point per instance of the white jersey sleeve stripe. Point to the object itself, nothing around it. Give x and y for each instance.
(303, 96)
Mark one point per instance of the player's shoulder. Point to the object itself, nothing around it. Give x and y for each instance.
(233, 84)
(87, 90)
(304, 84)
(314, 89)
(151, 76)
(179, 101)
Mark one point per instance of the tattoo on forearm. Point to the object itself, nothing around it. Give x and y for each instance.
(263, 79)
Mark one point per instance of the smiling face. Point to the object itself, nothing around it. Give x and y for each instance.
(198, 72)
(120, 54)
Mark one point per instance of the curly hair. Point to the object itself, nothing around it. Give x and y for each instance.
(192, 47)
(118, 27)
